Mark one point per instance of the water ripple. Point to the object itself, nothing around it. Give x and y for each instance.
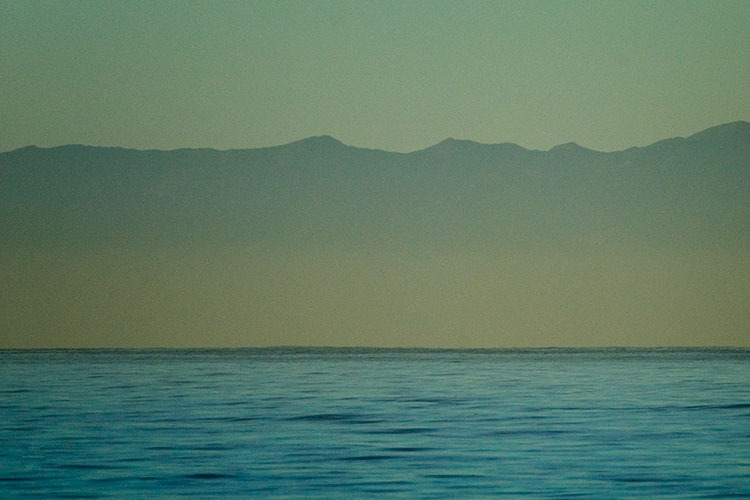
(361, 423)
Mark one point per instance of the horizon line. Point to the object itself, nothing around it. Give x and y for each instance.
(384, 348)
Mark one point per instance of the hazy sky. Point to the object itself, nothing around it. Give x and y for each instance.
(393, 75)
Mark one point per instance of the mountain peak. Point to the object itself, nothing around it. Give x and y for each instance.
(570, 148)
(325, 139)
(452, 142)
(318, 141)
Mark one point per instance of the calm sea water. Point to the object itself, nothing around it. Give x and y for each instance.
(363, 423)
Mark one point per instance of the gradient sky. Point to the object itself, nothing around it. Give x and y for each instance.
(395, 75)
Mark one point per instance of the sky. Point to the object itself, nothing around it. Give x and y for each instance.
(391, 75)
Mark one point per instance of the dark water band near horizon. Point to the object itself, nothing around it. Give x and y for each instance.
(375, 423)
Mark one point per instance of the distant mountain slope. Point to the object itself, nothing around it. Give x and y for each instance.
(318, 243)
(321, 190)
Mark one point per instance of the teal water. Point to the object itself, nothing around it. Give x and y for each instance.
(371, 423)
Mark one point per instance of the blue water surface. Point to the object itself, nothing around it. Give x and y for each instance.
(375, 423)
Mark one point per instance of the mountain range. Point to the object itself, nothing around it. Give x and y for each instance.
(363, 227)
(319, 190)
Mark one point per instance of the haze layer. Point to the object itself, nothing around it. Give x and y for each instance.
(318, 243)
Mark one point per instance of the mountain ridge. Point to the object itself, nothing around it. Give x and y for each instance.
(308, 187)
(739, 128)
(460, 239)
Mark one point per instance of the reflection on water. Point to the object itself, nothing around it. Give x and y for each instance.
(357, 423)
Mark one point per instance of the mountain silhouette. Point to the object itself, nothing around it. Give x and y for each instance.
(320, 189)
(320, 243)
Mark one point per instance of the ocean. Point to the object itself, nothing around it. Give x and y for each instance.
(375, 423)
